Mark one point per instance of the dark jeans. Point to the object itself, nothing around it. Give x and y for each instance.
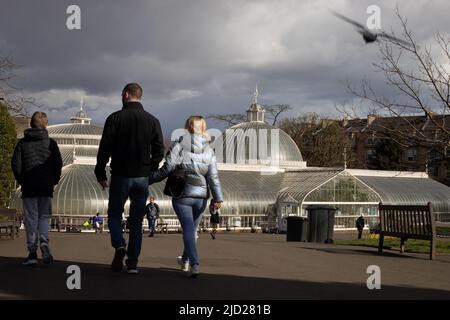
(151, 224)
(121, 189)
(189, 211)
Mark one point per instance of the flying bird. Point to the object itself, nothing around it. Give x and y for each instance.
(369, 35)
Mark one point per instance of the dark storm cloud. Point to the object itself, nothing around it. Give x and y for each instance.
(199, 56)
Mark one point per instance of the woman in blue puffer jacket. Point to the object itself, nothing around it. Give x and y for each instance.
(192, 160)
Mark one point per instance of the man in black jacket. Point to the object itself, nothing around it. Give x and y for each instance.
(132, 138)
(152, 214)
(37, 165)
(360, 223)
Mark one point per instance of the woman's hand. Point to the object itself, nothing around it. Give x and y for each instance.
(217, 205)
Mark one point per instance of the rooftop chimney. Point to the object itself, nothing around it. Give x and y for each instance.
(371, 118)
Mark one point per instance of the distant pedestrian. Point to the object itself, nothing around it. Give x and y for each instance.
(214, 219)
(37, 166)
(360, 223)
(152, 214)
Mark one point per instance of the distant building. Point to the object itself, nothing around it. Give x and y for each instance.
(420, 143)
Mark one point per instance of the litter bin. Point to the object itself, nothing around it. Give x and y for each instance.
(321, 223)
(296, 228)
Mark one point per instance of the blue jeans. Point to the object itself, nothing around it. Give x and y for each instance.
(121, 189)
(151, 224)
(189, 211)
(37, 214)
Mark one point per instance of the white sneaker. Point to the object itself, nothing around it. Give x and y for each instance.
(195, 270)
(184, 265)
(133, 271)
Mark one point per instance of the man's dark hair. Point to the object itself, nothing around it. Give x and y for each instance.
(134, 90)
(39, 120)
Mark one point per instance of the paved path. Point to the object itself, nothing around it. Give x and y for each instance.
(235, 266)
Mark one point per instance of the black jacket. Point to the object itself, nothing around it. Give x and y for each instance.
(133, 139)
(360, 223)
(152, 213)
(37, 163)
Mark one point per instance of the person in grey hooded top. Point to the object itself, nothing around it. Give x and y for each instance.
(193, 161)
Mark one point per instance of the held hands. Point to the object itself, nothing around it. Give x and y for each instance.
(217, 205)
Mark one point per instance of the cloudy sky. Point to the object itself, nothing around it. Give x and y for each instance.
(199, 56)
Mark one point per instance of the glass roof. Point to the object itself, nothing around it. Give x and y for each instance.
(74, 129)
(419, 191)
(67, 153)
(343, 188)
(297, 184)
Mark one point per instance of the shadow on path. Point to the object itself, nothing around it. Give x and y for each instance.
(98, 282)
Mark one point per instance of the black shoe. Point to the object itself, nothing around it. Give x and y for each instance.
(47, 257)
(31, 259)
(117, 263)
(213, 236)
(194, 271)
(151, 235)
(131, 267)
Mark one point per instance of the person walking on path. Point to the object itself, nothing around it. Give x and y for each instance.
(152, 214)
(360, 223)
(190, 166)
(37, 165)
(214, 219)
(132, 138)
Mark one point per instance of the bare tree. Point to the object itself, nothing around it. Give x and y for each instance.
(273, 112)
(323, 142)
(423, 88)
(229, 119)
(17, 104)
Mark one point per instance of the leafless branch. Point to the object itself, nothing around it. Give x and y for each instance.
(274, 111)
(9, 94)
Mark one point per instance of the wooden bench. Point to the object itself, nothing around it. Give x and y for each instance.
(168, 225)
(10, 222)
(408, 222)
(163, 227)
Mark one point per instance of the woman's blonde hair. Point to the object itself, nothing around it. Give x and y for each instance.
(196, 124)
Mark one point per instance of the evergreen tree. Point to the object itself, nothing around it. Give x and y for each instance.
(7, 143)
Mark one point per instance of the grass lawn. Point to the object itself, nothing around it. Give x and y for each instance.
(411, 245)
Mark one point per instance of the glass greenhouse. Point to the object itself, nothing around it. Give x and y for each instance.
(263, 181)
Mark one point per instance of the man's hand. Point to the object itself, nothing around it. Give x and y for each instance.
(104, 184)
(217, 205)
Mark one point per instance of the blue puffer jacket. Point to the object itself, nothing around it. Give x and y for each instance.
(192, 156)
